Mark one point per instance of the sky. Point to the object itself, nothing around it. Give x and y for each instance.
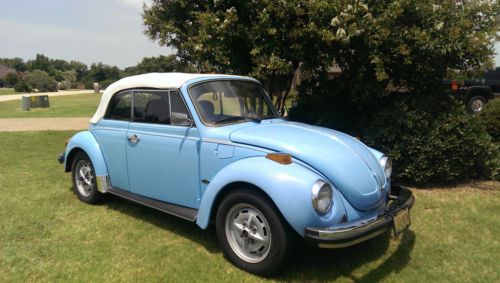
(108, 31)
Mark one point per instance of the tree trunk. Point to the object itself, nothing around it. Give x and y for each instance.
(287, 92)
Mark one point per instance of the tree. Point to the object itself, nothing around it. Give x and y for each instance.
(15, 63)
(266, 39)
(412, 44)
(40, 80)
(160, 64)
(80, 69)
(41, 62)
(396, 43)
(11, 79)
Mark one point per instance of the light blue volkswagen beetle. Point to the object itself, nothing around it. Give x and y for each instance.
(212, 149)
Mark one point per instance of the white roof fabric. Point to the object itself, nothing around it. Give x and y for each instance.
(151, 80)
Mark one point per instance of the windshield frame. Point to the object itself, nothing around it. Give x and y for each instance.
(244, 119)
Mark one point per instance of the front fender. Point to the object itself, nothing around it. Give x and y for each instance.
(86, 141)
(288, 186)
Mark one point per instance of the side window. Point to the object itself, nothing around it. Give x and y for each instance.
(151, 107)
(160, 107)
(120, 107)
(179, 115)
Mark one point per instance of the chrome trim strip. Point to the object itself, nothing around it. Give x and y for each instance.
(185, 213)
(357, 241)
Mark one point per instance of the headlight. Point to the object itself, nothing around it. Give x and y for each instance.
(386, 163)
(321, 197)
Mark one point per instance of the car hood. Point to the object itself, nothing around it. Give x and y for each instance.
(346, 162)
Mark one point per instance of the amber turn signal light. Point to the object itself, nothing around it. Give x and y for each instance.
(281, 158)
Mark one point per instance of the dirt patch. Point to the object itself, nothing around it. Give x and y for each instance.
(42, 124)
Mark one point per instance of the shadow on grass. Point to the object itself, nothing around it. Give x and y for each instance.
(308, 263)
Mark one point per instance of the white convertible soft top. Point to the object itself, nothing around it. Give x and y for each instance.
(151, 80)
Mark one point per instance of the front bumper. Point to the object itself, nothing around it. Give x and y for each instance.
(60, 158)
(402, 198)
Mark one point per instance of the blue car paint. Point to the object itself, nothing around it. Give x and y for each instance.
(236, 153)
(163, 164)
(289, 187)
(345, 161)
(86, 141)
(112, 139)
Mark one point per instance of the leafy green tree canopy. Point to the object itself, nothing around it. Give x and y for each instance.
(41, 80)
(401, 43)
(267, 39)
(159, 64)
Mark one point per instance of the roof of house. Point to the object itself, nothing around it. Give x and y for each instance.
(4, 70)
(150, 80)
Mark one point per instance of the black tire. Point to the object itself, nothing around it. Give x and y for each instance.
(86, 192)
(280, 234)
(476, 103)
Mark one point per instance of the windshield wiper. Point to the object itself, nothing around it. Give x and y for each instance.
(228, 119)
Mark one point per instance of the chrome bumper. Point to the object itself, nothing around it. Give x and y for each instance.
(60, 158)
(402, 198)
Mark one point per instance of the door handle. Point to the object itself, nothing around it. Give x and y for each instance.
(133, 138)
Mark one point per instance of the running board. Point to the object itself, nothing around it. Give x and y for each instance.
(173, 209)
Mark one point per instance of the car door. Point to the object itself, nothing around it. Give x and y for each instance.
(110, 132)
(162, 149)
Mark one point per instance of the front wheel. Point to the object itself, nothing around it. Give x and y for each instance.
(84, 179)
(253, 235)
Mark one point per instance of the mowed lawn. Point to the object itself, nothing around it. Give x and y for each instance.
(6, 91)
(78, 105)
(46, 234)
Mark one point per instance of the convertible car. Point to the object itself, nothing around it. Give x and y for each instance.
(212, 149)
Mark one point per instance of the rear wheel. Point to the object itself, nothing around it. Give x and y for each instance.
(253, 235)
(476, 103)
(84, 179)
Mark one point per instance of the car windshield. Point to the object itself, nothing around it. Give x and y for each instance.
(224, 102)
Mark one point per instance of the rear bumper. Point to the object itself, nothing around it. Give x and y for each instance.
(402, 198)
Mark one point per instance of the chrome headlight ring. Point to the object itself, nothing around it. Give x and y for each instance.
(322, 197)
(386, 164)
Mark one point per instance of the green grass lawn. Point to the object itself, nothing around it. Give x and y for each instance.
(4, 91)
(78, 105)
(46, 234)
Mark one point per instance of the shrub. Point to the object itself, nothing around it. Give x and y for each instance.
(22, 86)
(41, 81)
(2, 83)
(490, 117)
(11, 79)
(432, 139)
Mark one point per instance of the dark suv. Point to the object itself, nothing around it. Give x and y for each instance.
(475, 93)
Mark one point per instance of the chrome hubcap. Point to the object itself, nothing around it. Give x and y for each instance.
(84, 178)
(248, 233)
(477, 105)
